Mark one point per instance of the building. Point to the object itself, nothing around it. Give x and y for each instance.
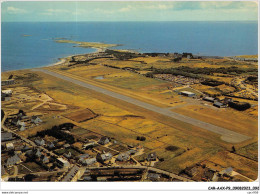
(123, 157)
(7, 82)
(9, 146)
(104, 157)
(218, 104)
(7, 92)
(71, 174)
(2, 170)
(25, 148)
(89, 161)
(89, 145)
(62, 163)
(6, 136)
(82, 157)
(68, 155)
(187, 55)
(44, 159)
(50, 145)
(227, 171)
(131, 152)
(103, 140)
(39, 142)
(153, 176)
(186, 93)
(209, 99)
(38, 153)
(36, 120)
(13, 160)
(5, 98)
(21, 125)
(151, 157)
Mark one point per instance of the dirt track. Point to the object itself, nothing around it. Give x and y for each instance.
(226, 135)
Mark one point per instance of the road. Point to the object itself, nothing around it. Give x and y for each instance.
(226, 134)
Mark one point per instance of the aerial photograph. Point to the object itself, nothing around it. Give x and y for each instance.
(129, 91)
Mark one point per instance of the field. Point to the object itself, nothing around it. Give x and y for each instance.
(81, 116)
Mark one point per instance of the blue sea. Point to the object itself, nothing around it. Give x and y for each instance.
(204, 38)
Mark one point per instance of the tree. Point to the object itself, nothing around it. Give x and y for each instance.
(233, 149)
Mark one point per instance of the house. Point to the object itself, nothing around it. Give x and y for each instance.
(68, 155)
(21, 114)
(209, 99)
(50, 145)
(89, 145)
(218, 104)
(87, 178)
(13, 160)
(103, 140)
(151, 157)
(104, 157)
(62, 163)
(227, 171)
(131, 152)
(9, 146)
(44, 159)
(153, 176)
(25, 148)
(66, 145)
(209, 174)
(21, 125)
(36, 120)
(14, 121)
(82, 157)
(192, 171)
(39, 142)
(6, 136)
(89, 161)
(71, 174)
(29, 153)
(66, 126)
(187, 55)
(186, 93)
(7, 82)
(227, 100)
(2, 170)
(7, 92)
(5, 98)
(123, 157)
(38, 153)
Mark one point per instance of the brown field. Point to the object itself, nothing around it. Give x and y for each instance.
(81, 116)
(226, 118)
(240, 164)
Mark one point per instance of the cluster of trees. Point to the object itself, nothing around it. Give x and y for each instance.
(193, 72)
(212, 83)
(173, 71)
(56, 132)
(239, 106)
(123, 55)
(252, 80)
(142, 138)
(111, 66)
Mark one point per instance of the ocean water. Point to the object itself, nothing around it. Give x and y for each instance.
(204, 38)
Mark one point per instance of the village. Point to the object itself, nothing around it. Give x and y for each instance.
(44, 140)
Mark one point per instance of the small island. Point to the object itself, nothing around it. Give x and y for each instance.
(97, 45)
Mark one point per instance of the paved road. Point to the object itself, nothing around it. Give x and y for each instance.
(226, 135)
